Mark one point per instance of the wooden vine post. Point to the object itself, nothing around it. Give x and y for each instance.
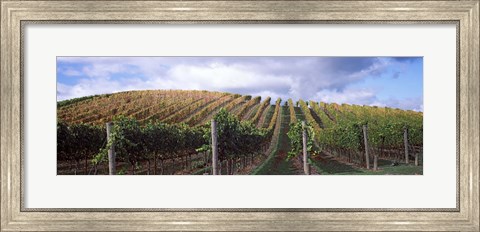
(416, 155)
(416, 159)
(405, 140)
(111, 152)
(306, 168)
(365, 139)
(214, 148)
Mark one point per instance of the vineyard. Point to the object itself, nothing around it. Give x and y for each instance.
(175, 132)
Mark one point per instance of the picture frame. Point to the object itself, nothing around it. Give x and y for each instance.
(465, 14)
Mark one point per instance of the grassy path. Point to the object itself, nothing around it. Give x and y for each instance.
(329, 165)
(277, 165)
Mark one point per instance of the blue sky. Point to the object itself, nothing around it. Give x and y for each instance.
(381, 81)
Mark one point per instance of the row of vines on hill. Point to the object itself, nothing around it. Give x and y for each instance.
(338, 130)
(171, 105)
(79, 142)
(238, 141)
(158, 143)
(260, 110)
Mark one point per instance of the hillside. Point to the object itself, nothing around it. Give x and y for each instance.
(169, 106)
(259, 148)
(192, 107)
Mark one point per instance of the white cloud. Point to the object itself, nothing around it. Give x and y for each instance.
(71, 72)
(221, 77)
(312, 78)
(351, 96)
(88, 87)
(102, 70)
(415, 104)
(367, 97)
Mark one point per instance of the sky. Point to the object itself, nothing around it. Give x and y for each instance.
(376, 81)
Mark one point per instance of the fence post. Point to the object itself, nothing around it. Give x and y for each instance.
(306, 167)
(111, 152)
(405, 140)
(365, 139)
(205, 158)
(214, 147)
(416, 156)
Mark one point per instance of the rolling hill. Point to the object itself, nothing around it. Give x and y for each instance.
(338, 130)
(169, 106)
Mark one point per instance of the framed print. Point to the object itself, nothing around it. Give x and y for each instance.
(239, 115)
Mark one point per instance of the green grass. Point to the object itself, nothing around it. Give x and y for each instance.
(276, 163)
(333, 167)
(299, 114)
(402, 169)
(283, 167)
(267, 164)
(202, 171)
